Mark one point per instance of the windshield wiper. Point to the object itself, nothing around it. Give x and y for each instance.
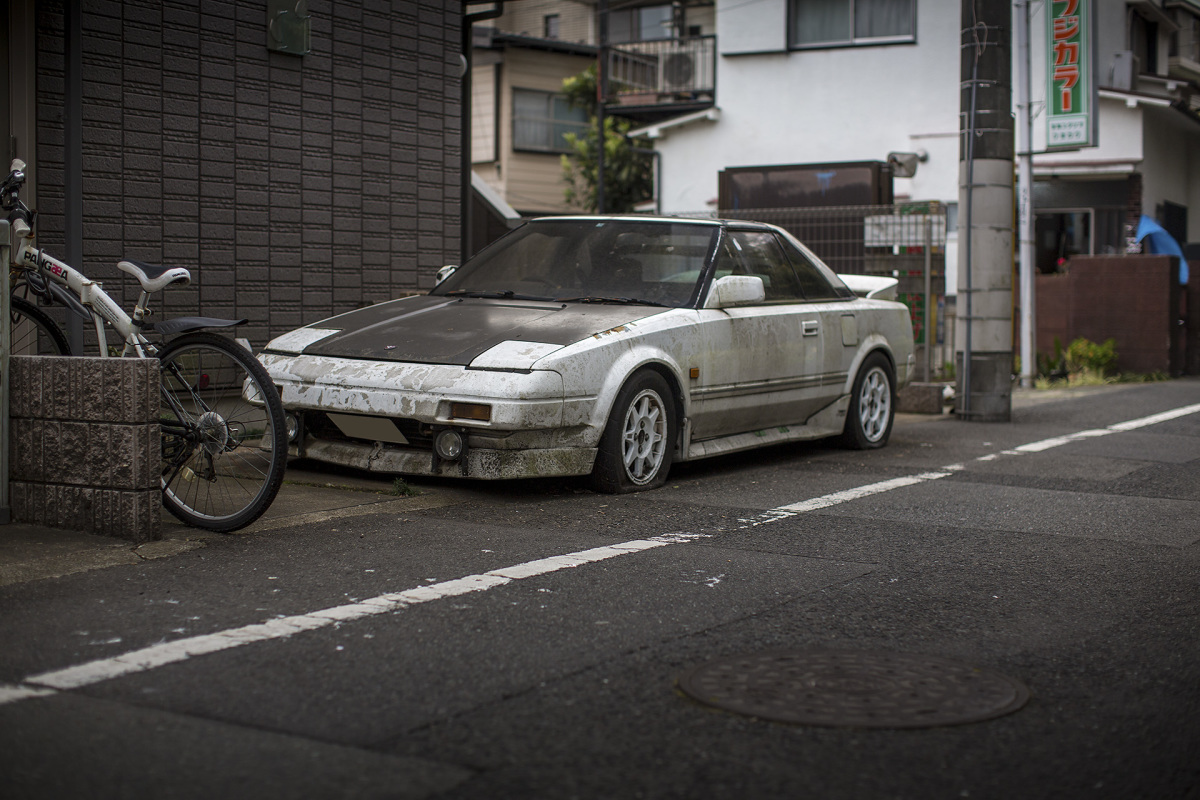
(626, 301)
(507, 294)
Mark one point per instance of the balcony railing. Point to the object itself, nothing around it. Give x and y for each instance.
(659, 72)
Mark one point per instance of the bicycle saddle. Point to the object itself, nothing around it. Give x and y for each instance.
(153, 277)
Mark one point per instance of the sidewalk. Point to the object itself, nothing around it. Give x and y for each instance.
(31, 552)
(308, 496)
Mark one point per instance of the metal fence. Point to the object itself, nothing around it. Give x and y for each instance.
(905, 240)
(864, 240)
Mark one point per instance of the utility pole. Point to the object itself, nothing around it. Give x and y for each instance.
(1025, 257)
(601, 97)
(984, 366)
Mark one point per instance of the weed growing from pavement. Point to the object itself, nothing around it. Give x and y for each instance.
(400, 488)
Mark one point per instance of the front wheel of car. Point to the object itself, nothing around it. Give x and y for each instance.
(638, 444)
(872, 405)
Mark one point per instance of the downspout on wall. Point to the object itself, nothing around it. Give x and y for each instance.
(468, 38)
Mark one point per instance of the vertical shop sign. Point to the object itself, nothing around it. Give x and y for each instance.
(1071, 97)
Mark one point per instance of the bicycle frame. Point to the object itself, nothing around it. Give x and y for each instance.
(90, 294)
(213, 476)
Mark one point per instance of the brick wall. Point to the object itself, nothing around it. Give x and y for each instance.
(1135, 300)
(293, 187)
(85, 446)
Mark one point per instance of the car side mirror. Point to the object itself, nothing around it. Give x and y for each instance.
(736, 290)
(445, 272)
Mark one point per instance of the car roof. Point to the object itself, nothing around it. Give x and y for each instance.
(647, 218)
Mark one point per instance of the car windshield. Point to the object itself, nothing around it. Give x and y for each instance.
(644, 262)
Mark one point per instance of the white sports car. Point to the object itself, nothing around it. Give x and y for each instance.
(602, 346)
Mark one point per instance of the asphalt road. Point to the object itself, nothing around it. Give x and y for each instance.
(527, 640)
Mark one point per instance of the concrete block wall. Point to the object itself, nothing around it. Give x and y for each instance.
(1134, 299)
(84, 445)
(294, 187)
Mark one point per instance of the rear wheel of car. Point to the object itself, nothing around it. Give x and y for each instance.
(872, 405)
(638, 444)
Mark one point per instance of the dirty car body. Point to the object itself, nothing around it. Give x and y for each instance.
(609, 346)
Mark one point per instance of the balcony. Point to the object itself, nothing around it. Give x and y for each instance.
(655, 80)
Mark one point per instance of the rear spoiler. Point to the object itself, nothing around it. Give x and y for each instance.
(872, 287)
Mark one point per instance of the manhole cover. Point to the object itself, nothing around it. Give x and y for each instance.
(854, 689)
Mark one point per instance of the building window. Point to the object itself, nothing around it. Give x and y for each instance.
(550, 26)
(1059, 235)
(833, 23)
(1186, 42)
(1143, 38)
(541, 119)
(646, 23)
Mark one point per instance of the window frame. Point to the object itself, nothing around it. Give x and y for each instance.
(520, 145)
(852, 40)
(633, 21)
(773, 295)
(809, 275)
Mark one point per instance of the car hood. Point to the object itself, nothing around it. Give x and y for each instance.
(443, 330)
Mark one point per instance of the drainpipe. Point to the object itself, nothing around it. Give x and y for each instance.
(5, 372)
(468, 42)
(656, 159)
(73, 157)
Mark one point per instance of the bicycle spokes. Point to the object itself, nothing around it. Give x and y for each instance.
(219, 415)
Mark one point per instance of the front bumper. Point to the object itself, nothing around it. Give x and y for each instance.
(525, 435)
(477, 462)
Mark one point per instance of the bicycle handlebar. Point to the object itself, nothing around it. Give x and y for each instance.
(19, 214)
(16, 177)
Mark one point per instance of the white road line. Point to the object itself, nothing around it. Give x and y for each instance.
(179, 650)
(844, 496)
(11, 694)
(182, 649)
(1154, 419)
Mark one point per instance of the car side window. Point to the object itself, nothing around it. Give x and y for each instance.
(812, 281)
(757, 253)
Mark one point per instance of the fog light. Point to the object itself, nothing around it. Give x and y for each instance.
(293, 426)
(449, 445)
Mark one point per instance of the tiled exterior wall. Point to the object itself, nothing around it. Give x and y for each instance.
(85, 446)
(293, 187)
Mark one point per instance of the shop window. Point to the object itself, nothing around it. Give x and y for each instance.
(1059, 235)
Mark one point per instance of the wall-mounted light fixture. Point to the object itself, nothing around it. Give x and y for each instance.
(289, 27)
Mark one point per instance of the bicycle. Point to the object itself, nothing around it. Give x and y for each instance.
(224, 442)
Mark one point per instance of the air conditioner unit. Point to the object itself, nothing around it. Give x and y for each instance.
(677, 71)
(1125, 71)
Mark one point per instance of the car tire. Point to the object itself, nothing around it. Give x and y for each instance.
(872, 405)
(638, 445)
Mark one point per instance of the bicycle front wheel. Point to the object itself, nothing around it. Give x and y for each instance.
(224, 444)
(34, 333)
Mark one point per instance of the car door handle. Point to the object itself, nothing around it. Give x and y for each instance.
(810, 327)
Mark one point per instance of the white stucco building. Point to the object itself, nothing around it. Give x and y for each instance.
(795, 86)
(721, 84)
(777, 105)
